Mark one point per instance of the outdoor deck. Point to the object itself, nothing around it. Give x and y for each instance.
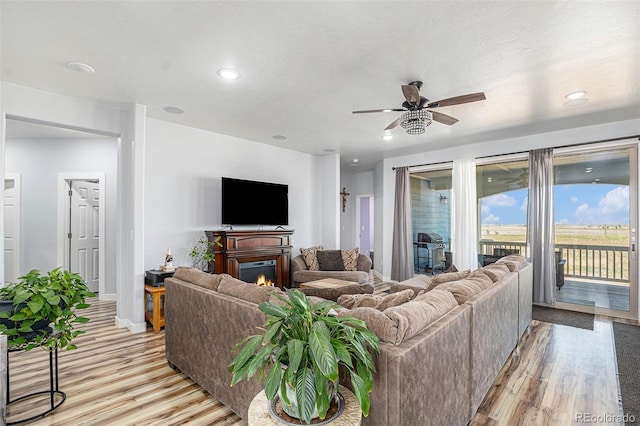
(596, 293)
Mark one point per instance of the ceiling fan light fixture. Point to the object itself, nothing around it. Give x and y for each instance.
(416, 122)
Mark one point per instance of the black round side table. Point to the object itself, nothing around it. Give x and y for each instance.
(52, 392)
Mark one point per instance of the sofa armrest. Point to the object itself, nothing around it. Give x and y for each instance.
(297, 264)
(364, 263)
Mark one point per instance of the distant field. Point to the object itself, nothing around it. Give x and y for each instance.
(601, 235)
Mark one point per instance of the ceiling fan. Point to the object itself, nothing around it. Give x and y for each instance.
(417, 109)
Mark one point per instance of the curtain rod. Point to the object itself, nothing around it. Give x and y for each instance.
(523, 152)
(426, 164)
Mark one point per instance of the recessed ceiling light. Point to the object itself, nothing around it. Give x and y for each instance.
(279, 137)
(79, 66)
(355, 160)
(228, 74)
(387, 137)
(173, 110)
(576, 95)
(596, 180)
(588, 169)
(489, 180)
(328, 150)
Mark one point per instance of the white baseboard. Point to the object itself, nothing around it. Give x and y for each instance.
(134, 328)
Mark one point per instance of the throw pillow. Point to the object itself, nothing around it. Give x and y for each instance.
(352, 301)
(496, 271)
(330, 260)
(350, 259)
(448, 277)
(394, 299)
(310, 257)
(462, 290)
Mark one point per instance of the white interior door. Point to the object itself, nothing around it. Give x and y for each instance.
(84, 234)
(12, 185)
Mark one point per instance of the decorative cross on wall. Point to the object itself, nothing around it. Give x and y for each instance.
(344, 194)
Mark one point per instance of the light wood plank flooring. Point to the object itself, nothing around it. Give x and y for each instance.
(119, 378)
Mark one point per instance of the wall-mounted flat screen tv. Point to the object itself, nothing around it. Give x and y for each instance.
(247, 202)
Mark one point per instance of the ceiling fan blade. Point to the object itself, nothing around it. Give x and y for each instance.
(394, 123)
(411, 93)
(456, 100)
(443, 118)
(378, 110)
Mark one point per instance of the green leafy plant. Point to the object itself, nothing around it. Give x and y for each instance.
(202, 252)
(302, 348)
(38, 300)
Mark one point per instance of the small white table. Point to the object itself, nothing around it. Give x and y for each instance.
(351, 416)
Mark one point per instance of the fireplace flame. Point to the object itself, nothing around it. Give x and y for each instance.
(263, 281)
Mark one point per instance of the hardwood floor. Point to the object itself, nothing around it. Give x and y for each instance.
(119, 378)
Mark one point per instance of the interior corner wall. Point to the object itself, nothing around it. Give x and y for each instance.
(331, 200)
(183, 171)
(39, 161)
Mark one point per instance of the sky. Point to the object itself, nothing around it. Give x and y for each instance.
(580, 204)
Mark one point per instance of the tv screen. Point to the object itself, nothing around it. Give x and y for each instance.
(247, 202)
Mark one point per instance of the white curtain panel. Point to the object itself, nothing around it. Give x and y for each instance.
(402, 244)
(465, 215)
(541, 229)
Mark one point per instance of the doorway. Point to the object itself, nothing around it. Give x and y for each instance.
(364, 225)
(12, 205)
(595, 239)
(81, 226)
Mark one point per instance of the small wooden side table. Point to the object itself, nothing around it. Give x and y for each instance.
(156, 315)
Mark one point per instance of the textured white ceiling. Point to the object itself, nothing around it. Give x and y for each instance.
(305, 66)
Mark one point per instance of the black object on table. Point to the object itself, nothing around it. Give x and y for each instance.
(54, 388)
(156, 277)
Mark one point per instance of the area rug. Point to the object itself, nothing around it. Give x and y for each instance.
(562, 317)
(627, 341)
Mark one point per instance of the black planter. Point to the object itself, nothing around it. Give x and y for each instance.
(38, 327)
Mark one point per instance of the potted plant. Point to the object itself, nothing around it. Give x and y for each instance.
(300, 352)
(202, 252)
(40, 309)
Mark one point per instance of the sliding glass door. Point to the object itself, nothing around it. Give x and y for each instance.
(431, 220)
(595, 241)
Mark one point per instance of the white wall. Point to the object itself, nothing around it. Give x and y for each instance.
(39, 161)
(183, 167)
(357, 184)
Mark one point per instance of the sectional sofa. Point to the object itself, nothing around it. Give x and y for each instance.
(440, 350)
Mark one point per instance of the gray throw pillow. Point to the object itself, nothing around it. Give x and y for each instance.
(330, 260)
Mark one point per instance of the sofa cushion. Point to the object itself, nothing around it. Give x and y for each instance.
(330, 260)
(199, 278)
(379, 302)
(513, 261)
(462, 290)
(380, 324)
(414, 316)
(334, 293)
(310, 256)
(244, 291)
(496, 271)
(447, 277)
(481, 279)
(350, 259)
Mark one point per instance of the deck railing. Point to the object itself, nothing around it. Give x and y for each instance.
(605, 263)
